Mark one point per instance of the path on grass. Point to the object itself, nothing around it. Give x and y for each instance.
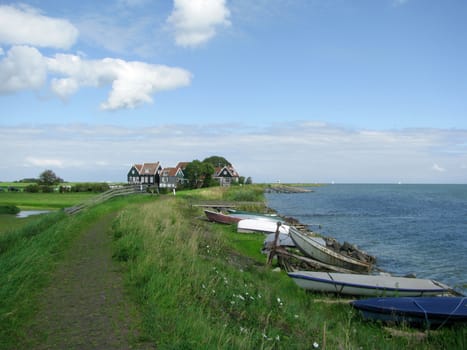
(85, 306)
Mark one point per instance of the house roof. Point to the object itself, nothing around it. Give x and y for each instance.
(182, 165)
(170, 171)
(230, 169)
(147, 168)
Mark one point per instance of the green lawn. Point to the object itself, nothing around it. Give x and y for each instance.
(25, 200)
(36, 201)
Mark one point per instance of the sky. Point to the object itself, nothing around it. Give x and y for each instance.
(345, 91)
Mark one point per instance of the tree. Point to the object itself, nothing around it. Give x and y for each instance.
(199, 174)
(217, 161)
(48, 178)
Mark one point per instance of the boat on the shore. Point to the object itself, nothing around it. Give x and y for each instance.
(425, 312)
(261, 226)
(367, 285)
(283, 240)
(321, 252)
(250, 213)
(254, 216)
(221, 217)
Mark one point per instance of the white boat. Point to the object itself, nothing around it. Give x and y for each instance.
(367, 285)
(244, 216)
(282, 240)
(320, 252)
(264, 226)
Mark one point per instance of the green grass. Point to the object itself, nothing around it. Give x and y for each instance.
(25, 200)
(28, 257)
(199, 285)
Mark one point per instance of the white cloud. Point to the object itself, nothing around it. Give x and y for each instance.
(436, 167)
(25, 25)
(132, 83)
(22, 68)
(300, 152)
(40, 162)
(195, 21)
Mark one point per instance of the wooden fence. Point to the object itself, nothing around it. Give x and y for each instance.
(112, 193)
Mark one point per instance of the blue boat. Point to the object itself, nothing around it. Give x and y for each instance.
(427, 312)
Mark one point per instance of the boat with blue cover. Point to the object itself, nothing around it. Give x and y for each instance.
(426, 312)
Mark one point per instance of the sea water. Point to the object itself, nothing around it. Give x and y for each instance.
(411, 229)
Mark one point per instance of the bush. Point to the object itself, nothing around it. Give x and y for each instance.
(91, 187)
(32, 188)
(46, 189)
(9, 209)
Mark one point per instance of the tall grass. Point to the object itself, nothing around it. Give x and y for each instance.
(28, 257)
(197, 291)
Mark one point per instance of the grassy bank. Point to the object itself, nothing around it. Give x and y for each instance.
(201, 285)
(28, 258)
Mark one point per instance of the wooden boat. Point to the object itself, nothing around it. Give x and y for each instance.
(220, 217)
(283, 240)
(367, 285)
(244, 212)
(320, 252)
(254, 216)
(262, 226)
(425, 312)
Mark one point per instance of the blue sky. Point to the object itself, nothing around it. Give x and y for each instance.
(299, 91)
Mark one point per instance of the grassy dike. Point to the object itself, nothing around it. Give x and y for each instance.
(201, 285)
(29, 255)
(198, 285)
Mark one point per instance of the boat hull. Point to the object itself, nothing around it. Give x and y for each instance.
(263, 226)
(367, 285)
(220, 218)
(320, 252)
(426, 312)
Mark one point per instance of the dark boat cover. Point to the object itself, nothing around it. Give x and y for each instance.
(426, 311)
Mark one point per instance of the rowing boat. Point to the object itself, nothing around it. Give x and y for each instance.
(320, 252)
(367, 285)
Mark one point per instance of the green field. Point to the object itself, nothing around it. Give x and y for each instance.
(25, 200)
(36, 201)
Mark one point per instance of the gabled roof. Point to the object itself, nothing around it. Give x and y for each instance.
(182, 165)
(170, 171)
(150, 168)
(232, 172)
(147, 168)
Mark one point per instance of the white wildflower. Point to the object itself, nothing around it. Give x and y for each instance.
(278, 338)
(315, 345)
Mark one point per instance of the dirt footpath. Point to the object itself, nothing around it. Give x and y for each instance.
(85, 306)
